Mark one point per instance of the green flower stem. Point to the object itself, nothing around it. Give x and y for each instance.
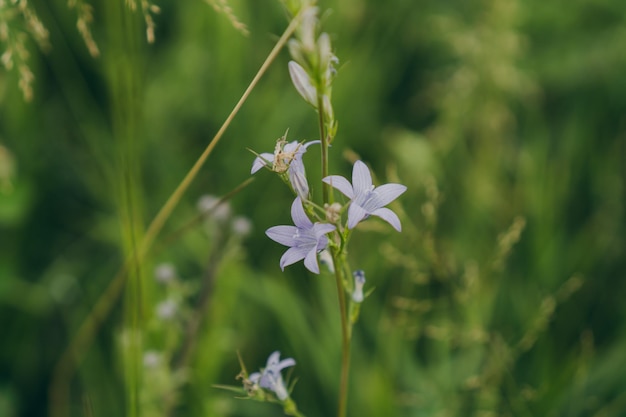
(326, 192)
(339, 262)
(345, 335)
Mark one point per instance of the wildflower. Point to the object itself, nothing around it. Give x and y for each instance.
(283, 157)
(165, 273)
(287, 157)
(359, 281)
(366, 199)
(167, 309)
(271, 378)
(241, 226)
(151, 359)
(220, 211)
(305, 239)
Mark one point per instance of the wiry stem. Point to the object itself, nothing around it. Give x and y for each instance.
(327, 195)
(338, 261)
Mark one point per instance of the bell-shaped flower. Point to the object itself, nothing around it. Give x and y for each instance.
(270, 377)
(366, 199)
(305, 239)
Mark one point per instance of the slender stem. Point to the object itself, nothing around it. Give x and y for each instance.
(345, 338)
(325, 187)
(338, 260)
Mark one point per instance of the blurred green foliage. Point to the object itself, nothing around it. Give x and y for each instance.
(502, 296)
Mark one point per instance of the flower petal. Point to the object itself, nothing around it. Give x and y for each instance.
(388, 216)
(254, 377)
(261, 161)
(310, 261)
(292, 146)
(297, 178)
(321, 229)
(355, 215)
(292, 256)
(283, 234)
(340, 183)
(361, 178)
(285, 363)
(389, 192)
(273, 359)
(300, 219)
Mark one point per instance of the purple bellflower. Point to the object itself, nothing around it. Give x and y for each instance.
(366, 199)
(305, 239)
(270, 377)
(287, 157)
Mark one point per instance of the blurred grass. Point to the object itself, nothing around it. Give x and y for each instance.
(495, 114)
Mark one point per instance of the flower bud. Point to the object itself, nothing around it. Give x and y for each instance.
(359, 281)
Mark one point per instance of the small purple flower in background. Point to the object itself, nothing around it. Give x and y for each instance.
(271, 378)
(305, 239)
(359, 281)
(366, 199)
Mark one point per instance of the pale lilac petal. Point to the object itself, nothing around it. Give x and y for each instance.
(322, 228)
(273, 359)
(292, 256)
(310, 261)
(307, 144)
(340, 183)
(300, 219)
(355, 215)
(292, 146)
(285, 363)
(282, 234)
(388, 216)
(389, 192)
(297, 178)
(260, 161)
(322, 242)
(361, 178)
(254, 377)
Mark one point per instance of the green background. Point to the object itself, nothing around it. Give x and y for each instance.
(503, 295)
